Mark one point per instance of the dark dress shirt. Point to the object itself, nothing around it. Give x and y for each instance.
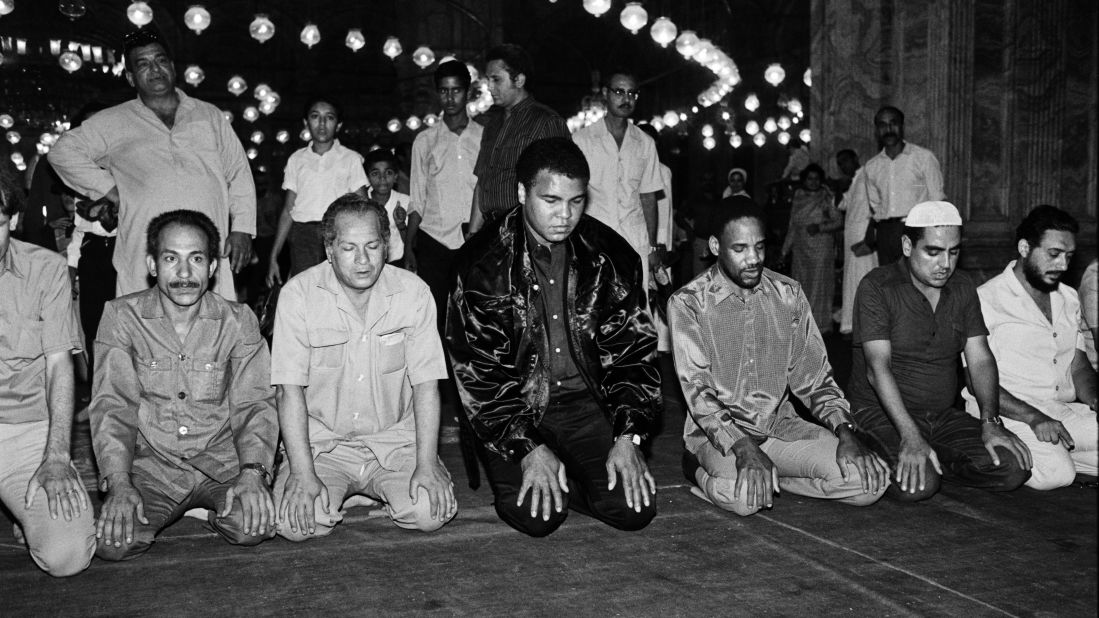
(549, 263)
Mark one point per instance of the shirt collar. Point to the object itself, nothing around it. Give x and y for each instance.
(722, 287)
(333, 150)
(9, 263)
(386, 285)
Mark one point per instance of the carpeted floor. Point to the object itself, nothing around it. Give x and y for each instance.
(965, 552)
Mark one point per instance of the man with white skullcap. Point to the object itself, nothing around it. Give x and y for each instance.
(912, 319)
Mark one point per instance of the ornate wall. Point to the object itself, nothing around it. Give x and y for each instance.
(1004, 93)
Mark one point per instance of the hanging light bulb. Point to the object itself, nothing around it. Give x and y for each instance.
(392, 47)
(282, 136)
(671, 119)
(707, 130)
(42, 149)
(423, 56)
(430, 120)
(262, 91)
(805, 135)
(267, 107)
(704, 53)
(48, 139)
(70, 61)
(6, 121)
(355, 39)
(139, 13)
(73, 9)
(310, 35)
(657, 122)
(250, 113)
(663, 31)
(237, 85)
(687, 43)
(735, 141)
(304, 135)
(227, 115)
(257, 137)
(633, 17)
(774, 74)
(751, 102)
(807, 77)
(6, 7)
(752, 127)
(261, 28)
(783, 122)
(1, 58)
(784, 138)
(794, 106)
(709, 143)
(597, 7)
(393, 125)
(770, 125)
(413, 123)
(252, 153)
(13, 137)
(194, 75)
(17, 157)
(760, 139)
(197, 18)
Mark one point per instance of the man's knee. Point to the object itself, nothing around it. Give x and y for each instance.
(63, 558)
(418, 517)
(722, 493)
(1009, 475)
(519, 517)
(126, 551)
(932, 482)
(231, 528)
(300, 535)
(1051, 471)
(628, 519)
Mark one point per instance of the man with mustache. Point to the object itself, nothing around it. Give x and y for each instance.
(897, 178)
(182, 411)
(159, 152)
(1047, 386)
(912, 320)
(745, 341)
(625, 168)
(552, 351)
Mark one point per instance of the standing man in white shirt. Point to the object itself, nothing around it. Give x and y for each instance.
(1047, 385)
(625, 169)
(897, 178)
(315, 176)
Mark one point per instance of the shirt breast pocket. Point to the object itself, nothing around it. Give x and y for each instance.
(391, 352)
(24, 338)
(208, 379)
(155, 376)
(328, 347)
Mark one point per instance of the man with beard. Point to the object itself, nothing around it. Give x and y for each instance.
(159, 152)
(1047, 385)
(745, 341)
(552, 351)
(912, 320)
(625, 169)
(897, 178)
(183, 413)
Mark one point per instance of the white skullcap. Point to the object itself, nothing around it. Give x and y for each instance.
(738, 170)
(932, 214)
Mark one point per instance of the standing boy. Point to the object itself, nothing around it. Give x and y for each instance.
(315, 176)
(381, 171)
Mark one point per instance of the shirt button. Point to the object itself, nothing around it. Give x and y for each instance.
(535, 286)
(558, 350)
(552, 281)
(1054, 334)
(182, 395)
(559, 383)
(183, 430)
(555, 316)
(1055, 361)
(361, 376)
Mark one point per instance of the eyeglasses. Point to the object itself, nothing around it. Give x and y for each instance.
(622, 92)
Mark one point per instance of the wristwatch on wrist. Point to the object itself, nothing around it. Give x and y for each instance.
(632, 437)
(847, 424)
(259, 469)
(993, 420)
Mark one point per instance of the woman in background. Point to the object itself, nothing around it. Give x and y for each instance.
(813, 218)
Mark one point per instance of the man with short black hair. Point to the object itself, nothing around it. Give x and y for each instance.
(39, 484)
(745, 341)
(160, 152)
(357, 360)
(1047, 386)
(913, 318)
(182, 410)
(552, 350)
(515, 121)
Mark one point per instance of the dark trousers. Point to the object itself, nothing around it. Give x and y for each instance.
(956, 438)
(162, 510)
(580, 436)
(889, 232)
(97, 283)
(306, 246)
(435, 265)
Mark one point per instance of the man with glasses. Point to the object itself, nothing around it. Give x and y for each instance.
(625, 169)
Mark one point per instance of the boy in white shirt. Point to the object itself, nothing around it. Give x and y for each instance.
(381, 171)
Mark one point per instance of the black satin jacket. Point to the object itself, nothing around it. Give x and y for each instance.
(499, 344)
